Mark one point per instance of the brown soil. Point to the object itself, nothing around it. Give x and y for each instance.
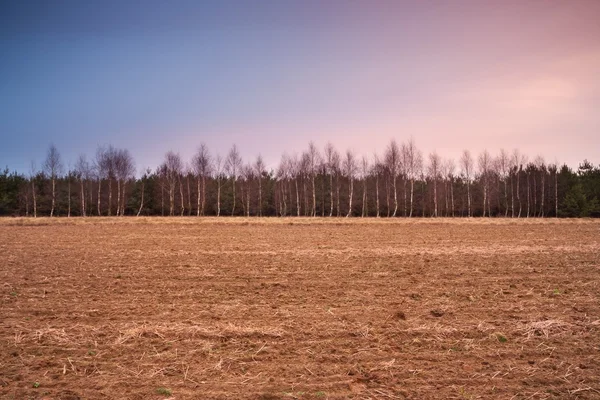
(299, 308)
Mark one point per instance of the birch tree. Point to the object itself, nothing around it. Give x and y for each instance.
(53, 167)
(485, 164)
(350, 169)
(69, 177)
(435, 164)
(82, 168)
(503, 162)
(233, 165)
(377, 171)
(218, 170)
(124, 171)
(364, 175)
(259, 169)
(466, 163)
(553, 168)
(143, 179)
(32, 178)
(173, 167)
(292, 169)
(541, 167)
(450, 168)
(313, 165)
(202, 165)
(336, 168)
(413, 160)
(518, 161)
(329, 156)
(392, 160)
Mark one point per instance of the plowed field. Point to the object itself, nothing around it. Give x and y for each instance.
(299, 309)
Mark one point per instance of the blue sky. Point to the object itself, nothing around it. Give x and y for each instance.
(270, 76)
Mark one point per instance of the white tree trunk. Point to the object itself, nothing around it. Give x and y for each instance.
(199, 199)
(34, 198)
(377, 192)
(69, 197)
(435, 202)
(331, 194)
(142, 200)
(109, 196)
(542, 200)
(395, 179)
(412, 193)
(233, 207)
(53, 196)
(82, 198)
(260, 196)
(468, 198)
(350, 197)
(218, 197)
(297, 198)
(99, 196)
(364, 200)
(314, 196)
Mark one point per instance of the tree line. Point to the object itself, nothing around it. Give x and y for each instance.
(400, 182)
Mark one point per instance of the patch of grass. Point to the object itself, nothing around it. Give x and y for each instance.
(36, 385)
(320, 394)
(501, 338)
(164, 391)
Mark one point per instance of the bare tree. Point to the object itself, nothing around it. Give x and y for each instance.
(54, 168)
(553, 168)
(485, 164)
(336, 167)
(329, 156)
(284, 174)
(392, 161)
(350, 169)
(503, 162)
(69, 177)
(247, 178)
(466, 163)
(106, 164)
(100, 169)
(292, 169)
(517, 162)
(233, 165)
(82, 168)
(144, 178)
(413, 160)
(202, 165)
(259, 169)
(172, 167)
(32, 178)
(435, 164)
(313, 165)
(450, 168)
(304, 173)
(377, 171)
(541, 167)
(364, 175)
(124, 167)
(218, 171)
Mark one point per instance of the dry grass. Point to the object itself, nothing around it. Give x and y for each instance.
(299, 308)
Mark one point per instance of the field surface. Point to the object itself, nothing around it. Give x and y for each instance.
(299, 309)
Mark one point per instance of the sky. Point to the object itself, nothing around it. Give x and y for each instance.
(271, 76)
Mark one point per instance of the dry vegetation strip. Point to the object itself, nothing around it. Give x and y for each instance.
(299, 308)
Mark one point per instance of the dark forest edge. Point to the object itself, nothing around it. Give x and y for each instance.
(400, 183)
